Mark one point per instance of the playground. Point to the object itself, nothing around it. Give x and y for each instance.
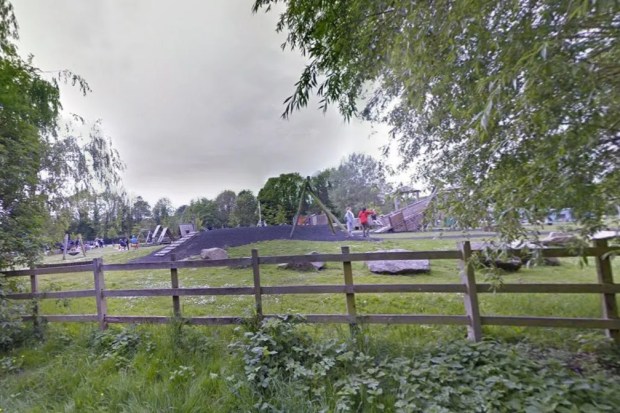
(235, 237)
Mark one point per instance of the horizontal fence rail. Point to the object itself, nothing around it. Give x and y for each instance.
(468, 287)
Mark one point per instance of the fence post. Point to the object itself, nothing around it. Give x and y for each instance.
(174, 281)
(468, 278)
(102, 304)
(257, 291)
(348, 282)
(605, 276)
(34, 289)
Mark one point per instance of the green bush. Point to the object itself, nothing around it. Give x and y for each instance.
(290, 371)
(119, 346)
(12, 330)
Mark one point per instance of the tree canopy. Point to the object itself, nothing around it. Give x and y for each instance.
(279, 198)
(511, 105)
(359, 181)
(40, 157)
(162, 210)
(245, 212)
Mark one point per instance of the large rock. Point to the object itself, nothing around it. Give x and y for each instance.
(297, 266)
(398, 267)
(319, 265)
(213, 254)
(558, 239)
(510, 263)
(303, 266)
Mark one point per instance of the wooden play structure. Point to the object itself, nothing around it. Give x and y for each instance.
(407, 219)
(79, 247)
(307, 189)
(187, 232)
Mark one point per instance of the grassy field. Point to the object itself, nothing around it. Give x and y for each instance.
(195, 369)
(442, 271)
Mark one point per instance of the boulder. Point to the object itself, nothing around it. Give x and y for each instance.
(398, 267)
(558, 239)
(303, 266)
(510, 264)
(513, 264)
(297, 266)
(319, 265)
(213, 254)
(551, 261)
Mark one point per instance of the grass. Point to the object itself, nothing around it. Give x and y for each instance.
(192, 369)
(443, 271)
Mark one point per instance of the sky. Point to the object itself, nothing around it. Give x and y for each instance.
(190, 92)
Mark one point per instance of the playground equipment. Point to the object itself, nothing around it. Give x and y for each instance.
(79, 246)
(163, 234)
(185, 229)
(154, 234)
(187, 233)
(306, 188)
(407, 219)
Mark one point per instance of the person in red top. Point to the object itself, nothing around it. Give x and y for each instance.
(364, 216)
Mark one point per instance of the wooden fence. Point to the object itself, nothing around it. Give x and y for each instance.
(468, 287)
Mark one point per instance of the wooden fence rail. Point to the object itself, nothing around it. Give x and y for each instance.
(468, 287)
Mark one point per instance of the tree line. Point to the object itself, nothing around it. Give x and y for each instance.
(359, 180)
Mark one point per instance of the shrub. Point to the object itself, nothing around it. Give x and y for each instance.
(285, 366)
(12, 330)
(119, 346)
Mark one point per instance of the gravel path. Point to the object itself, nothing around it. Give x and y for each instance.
(234, 237)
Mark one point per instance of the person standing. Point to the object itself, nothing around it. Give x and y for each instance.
(364, 216)
(350, 220)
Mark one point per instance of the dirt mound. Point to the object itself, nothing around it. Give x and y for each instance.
(234, 237)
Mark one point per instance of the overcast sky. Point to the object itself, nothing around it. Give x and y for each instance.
(190, 92)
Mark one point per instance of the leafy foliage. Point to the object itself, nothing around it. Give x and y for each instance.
(512, 105)
(201, 212)
(140, 210)
(40, 160)
(359, 181)
(245, 211)
(12, 329)
(321, 184)
(162, 210)
(279, 198)
(225, 203)
(117, 346)
(458, 376)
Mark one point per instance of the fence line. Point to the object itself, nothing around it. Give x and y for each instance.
(472, 318)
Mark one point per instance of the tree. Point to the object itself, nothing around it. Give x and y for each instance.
(321, 185)
(225, 203)
(162, 210)
(279, 198)
(140, 210)
(508, 106)
(201, 212)
(82, 206)
(245, 213)
(112, 206)
(39, 160)
(359, 181)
